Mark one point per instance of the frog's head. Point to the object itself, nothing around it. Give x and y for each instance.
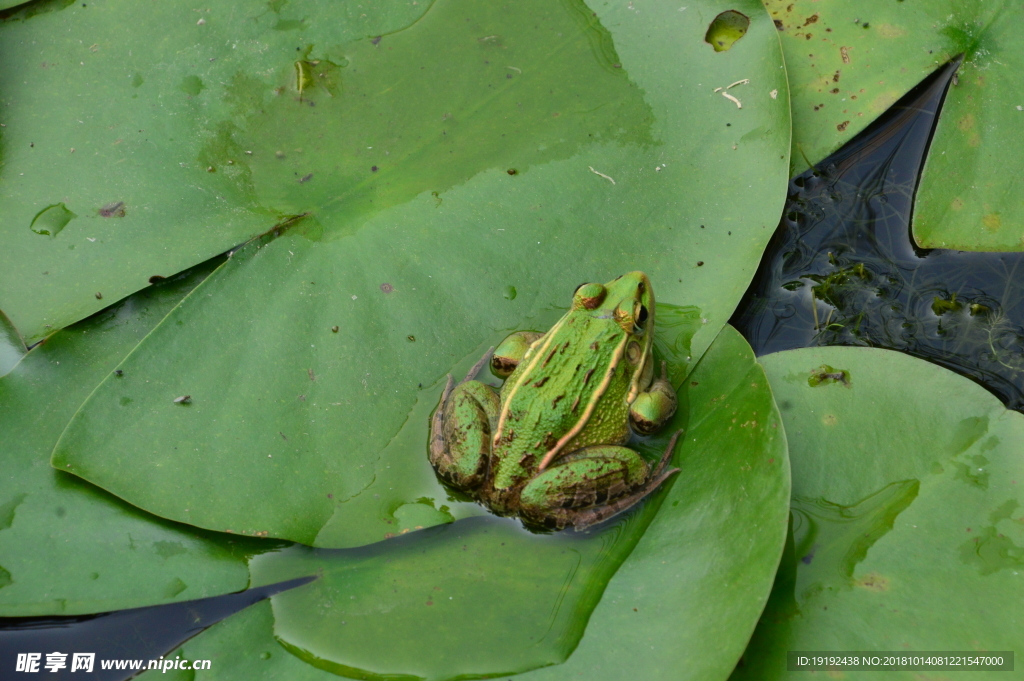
(629, 301)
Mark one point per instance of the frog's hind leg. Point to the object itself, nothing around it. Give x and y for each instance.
(460, 430)
(591, 485)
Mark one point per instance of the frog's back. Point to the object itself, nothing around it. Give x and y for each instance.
(557, 390)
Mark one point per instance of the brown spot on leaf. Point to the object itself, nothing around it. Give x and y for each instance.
(873, 582)
(114, 209)
(842, 126)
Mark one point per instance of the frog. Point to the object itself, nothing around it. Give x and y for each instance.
(549, 446)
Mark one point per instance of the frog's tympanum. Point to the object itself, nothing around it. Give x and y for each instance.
(549, 446)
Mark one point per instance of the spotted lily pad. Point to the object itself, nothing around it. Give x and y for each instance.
(849, 61)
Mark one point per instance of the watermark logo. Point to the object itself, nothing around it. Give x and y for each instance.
(33, 663)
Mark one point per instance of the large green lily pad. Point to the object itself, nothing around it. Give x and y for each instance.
(849, 61)
(681, 606)
(125, 130)
(907, 529)
(201, 127)
(300, 431)
(67, 547)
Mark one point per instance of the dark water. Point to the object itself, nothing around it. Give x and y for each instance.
(137, 634)
(842, 269)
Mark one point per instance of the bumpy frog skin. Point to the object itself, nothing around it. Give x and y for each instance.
(548, 447)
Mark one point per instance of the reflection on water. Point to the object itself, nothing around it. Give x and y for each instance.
(842, 269)
(473, 599)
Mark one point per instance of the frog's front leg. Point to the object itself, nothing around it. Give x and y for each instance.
(654, 407)
(460, 430)
(511, 351)
(590, 485)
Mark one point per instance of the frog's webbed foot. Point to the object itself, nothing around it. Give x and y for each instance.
(460, 430)
(653, 408)
(511, 351)
(591, 485)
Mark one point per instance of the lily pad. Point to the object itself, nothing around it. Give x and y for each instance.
(849, 61)
(67, 547)
(971, 179)
(478, 598)
(906, 502)
(315, 357)
(682, 604)
(97, 115)
(211, 125)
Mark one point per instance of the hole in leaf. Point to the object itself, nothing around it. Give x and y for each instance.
(52, 219)
(726, 29)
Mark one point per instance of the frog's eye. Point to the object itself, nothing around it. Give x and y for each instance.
(589, 296)
(640, 315)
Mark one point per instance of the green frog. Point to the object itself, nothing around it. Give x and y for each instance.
(549, 445)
